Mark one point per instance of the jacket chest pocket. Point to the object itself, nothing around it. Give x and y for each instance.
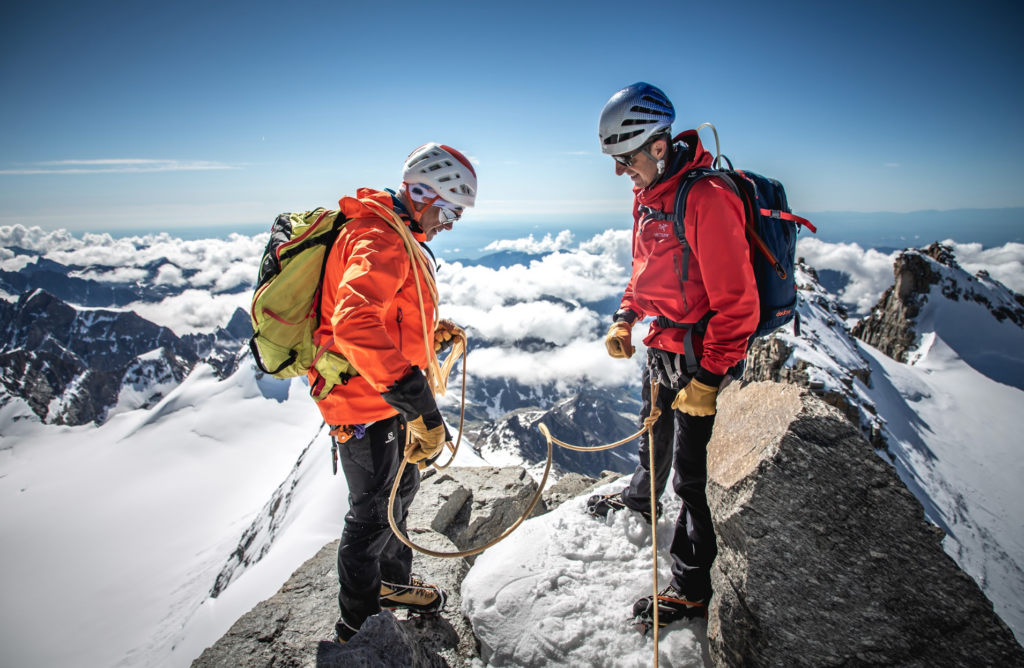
(681, 268)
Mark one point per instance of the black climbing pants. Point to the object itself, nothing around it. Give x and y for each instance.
(693, 546)
(369, 550)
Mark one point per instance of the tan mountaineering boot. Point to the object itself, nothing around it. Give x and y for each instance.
(417, 596)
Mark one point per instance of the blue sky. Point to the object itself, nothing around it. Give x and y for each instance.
(235, 112)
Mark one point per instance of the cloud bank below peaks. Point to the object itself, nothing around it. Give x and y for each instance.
(871, 272)
(531, 245)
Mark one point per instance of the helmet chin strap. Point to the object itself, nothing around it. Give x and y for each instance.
(416, 214)
(659, 163)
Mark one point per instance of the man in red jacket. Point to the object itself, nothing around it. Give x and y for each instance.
(692, 274)
(371, 314)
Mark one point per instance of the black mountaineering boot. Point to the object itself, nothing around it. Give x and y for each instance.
(343, 632)
(600, 506)
(417, 596)
(672, 606)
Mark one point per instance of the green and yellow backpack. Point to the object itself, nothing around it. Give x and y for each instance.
(286, 304)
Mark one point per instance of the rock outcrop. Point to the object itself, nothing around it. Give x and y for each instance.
(572, 485)
(825, 558)
(472, 504)
(891, 325)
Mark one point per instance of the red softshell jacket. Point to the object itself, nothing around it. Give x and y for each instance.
(370, 308)
(718, 277)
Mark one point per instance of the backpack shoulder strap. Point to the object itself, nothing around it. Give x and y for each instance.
(686, 184)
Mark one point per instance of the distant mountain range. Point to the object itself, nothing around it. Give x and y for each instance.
(930, 376)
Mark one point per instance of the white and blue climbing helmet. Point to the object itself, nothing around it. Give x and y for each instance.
(634, 115)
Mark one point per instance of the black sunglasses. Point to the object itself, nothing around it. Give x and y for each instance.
(626, 159)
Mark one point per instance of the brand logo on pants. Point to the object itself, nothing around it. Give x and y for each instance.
(391, 436)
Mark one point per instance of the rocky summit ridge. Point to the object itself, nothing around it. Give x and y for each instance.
(806, 576)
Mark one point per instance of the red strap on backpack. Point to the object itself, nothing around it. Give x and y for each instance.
(775, 213)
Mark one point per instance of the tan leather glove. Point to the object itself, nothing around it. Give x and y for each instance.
(424, 443)
(445, 334)
(696, 399)
(619, 340)
(413, 399)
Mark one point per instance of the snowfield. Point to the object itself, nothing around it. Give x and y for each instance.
(560, 592)
(956, 435)
(113, 535)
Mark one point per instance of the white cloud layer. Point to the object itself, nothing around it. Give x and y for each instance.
(551, 322)
(579, 361)
(193, 311)
(871, 272)
(531, 245)
(1003, 263)
(542, 301)
(572, 276)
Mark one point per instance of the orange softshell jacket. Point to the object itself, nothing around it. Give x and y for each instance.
(370, 308)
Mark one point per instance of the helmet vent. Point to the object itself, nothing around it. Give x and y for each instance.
(646, 110)
(638, 121)
(615, 139)
(654, 100)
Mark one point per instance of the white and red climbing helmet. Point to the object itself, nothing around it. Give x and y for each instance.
(634, 115)
(443, 169)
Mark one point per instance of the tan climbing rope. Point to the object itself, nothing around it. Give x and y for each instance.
(437, 379)
(649, 424)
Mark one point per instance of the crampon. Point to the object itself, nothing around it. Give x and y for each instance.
(672, 606)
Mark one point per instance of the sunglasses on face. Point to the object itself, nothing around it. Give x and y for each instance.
(447, 215)
(626, 159)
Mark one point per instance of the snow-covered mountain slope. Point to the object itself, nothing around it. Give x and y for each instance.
(113, 536)
(560, 592)
(304, 513)
(952, 410)
(956, 439)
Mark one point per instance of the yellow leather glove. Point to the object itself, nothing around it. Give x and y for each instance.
(424, 444)
(696, 399)
(445, 334)
(619, 340)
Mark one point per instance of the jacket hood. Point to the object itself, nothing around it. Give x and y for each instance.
(353, 207)
(687, 154)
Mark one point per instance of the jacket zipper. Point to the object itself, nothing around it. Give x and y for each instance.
(682, 285)
(398, 319)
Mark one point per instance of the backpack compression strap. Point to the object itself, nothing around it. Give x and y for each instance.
(775, 213)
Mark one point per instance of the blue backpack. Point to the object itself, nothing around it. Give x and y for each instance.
(771, 229)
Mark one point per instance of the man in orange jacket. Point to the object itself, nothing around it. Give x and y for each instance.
(692, 274)
(372, 316)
